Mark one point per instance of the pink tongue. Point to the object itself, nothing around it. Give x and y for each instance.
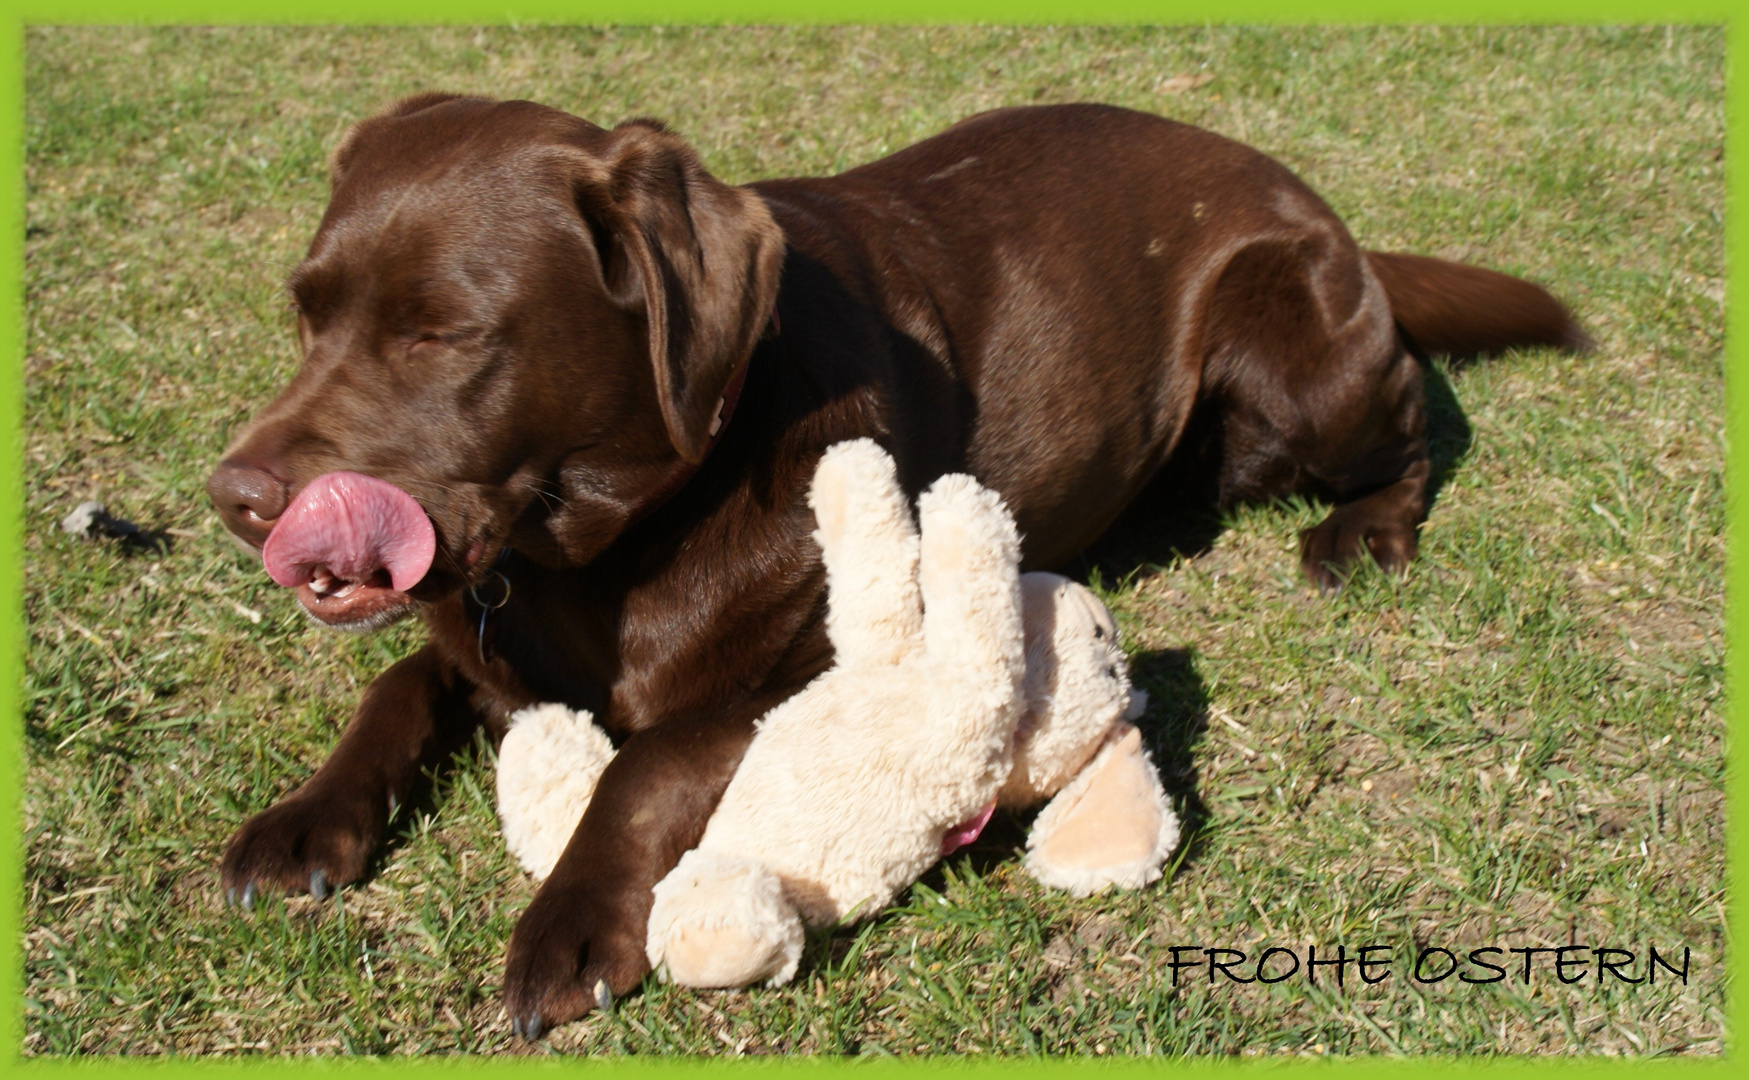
(354, 525)
(967, 831)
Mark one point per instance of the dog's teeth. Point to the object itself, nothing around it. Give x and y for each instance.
(351, 587)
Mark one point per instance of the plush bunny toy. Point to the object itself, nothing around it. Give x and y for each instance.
(959, 685)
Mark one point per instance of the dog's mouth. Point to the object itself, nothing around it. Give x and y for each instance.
(352, 546)
(352, 604)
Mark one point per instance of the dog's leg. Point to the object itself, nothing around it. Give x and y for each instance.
(1319, 395)
(321, 835)
(580, 943)
(1377, 476)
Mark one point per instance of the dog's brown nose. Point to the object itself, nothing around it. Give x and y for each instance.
(248, 498)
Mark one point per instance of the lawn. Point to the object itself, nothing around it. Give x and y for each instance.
(1519, 745)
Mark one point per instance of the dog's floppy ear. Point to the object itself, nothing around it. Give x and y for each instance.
(697, 258)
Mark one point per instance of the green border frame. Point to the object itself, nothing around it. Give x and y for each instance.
(169, 12)
(881, 11)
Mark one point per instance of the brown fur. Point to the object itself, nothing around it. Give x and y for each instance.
(527, 321)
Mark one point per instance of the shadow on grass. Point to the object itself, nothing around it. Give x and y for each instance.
(434, 787)
(1177, 718)
(1449, 435)
(92, 521)
(1175, 516)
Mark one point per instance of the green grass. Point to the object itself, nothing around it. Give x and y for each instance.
(1521, 744)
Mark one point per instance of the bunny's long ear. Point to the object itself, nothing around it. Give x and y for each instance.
(970, 578)
(874, 610)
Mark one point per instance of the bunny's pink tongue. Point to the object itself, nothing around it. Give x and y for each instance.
(967, 831)
(346, 531)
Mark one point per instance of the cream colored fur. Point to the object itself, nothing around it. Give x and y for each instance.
(957, 683)
(1112, 825)
(548, 765)
(843, 793)
(1077, 684)
(726, 922)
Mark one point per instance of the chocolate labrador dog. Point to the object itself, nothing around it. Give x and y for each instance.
(563, 391)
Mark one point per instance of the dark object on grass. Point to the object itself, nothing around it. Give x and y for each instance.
(91, 520)
(538, 329)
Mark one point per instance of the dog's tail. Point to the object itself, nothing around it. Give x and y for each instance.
(1465, 311)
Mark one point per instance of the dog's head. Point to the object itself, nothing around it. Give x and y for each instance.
(524, 322)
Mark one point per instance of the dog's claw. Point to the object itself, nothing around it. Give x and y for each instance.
(603, 996)
(248, 900)
(529, 1028)
(319, 884)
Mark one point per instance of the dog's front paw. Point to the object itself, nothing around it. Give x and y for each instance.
(307, 842)
(569, 954)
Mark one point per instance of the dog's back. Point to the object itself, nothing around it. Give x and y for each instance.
(1088, 278)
